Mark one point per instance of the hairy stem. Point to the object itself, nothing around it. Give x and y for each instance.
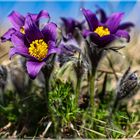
(46, 89)
(78, 89)
(92, 88)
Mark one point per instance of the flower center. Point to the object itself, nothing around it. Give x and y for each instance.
(22, 30)
(38, 49)
(102, 31)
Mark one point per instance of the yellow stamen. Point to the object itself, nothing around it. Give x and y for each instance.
(22, 30)
(102, 31)
(38, 49)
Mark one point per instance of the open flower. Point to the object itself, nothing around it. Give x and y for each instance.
(103, 34)
(104, 18)
(36, 45)
(18, 22)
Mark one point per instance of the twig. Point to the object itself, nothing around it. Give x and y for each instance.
(6, 127)
(100, 121)
(72, 127)
(35, 134)
(134, 136)
(46, 129)
(107, 71)
(93, 131)
(113, 130)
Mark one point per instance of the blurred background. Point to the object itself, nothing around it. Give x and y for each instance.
(70, 8)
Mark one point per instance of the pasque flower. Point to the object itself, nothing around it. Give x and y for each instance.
(70, 24)
(104, 18)
(127, 87)
(69, 50)
(104, 33)
(18, 22)
(127, 84)
(36, 45)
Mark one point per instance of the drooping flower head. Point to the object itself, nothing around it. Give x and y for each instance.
(104, 33)
(36, 45)
(69, 50)
(18, 22)
(104, 18)
(70, 24)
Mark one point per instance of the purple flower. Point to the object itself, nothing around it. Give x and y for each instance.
(70, 24)
(104, 33)
(104, 18)
(68, 51)
(18, 22)
(36, 45)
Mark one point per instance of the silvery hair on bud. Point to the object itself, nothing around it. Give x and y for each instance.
(126, 88)
(127, 85)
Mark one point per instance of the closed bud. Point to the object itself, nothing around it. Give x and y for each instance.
(127, 85)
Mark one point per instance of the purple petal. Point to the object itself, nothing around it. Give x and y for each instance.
(33, 68)
(69, 24)
(123, 34)
(17, 40)
(50, 32)
(33, 16)
(32, 32)
(114, 21)
(95, 38)
(20, 50)
(43, 14)
(101, 41)
(67, 21)
(105, 40)
(126, 25)
(91, 19)
(103, 16)
(69, 47)
(86, 33)
(8, 34)
(17, 20)
(52, 48)
(36, 17)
